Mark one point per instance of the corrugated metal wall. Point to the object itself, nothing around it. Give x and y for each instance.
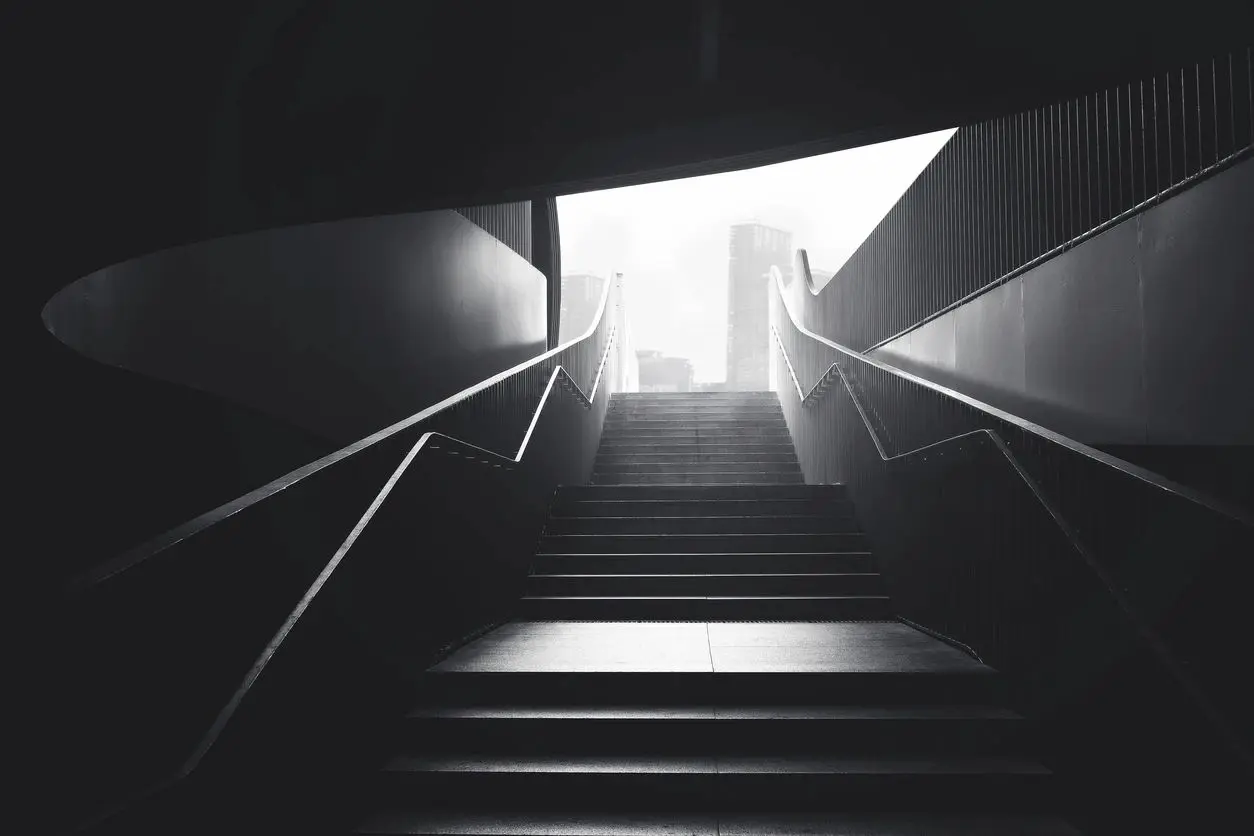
(547, 249)
(530, 229)
(1014, 190)
(509, 222)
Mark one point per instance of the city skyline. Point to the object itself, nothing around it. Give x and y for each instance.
(670, 239)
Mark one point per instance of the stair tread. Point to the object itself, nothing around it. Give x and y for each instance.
(826, 542)
(803, 491)
(715, 712)
(730, 524)
(731, 563)
(657, 479)
(677, 500)
(719, 534)
(571, 508)
(812, 489)
(730, 517)
(696, 457)
(700, 554)
(734, 446)
(539, 824)
(714, 575)
(646, 823)
(667, 763)
(705, 597)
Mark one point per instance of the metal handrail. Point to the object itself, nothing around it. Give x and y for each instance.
(802, 260)
(474, 453)
(1183, 491)
(1070, 244)
(503, 461)
(161, 542)
(1147, 633)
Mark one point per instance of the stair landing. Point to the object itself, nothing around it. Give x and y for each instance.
(713, 647)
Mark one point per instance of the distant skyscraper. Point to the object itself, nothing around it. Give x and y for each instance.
(754, 249)
(580, 294)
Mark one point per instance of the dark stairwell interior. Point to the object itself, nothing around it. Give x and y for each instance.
(871, 604)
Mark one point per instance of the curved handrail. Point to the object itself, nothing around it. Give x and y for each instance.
(165, 540)
(1147, 633)
(801, 264)
(478, 454)
(1149, 477)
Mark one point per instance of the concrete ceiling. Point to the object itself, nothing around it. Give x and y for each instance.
(134, 126)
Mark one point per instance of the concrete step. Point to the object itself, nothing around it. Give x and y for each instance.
(701, 543)
(710, 563)
(772, 413)
(604, 467)
(941, 686)
(636, 434)
(695, 446)
(582, 493)
(835, 508)
(703, 478)
(674, 608)
(765, 411)
(619, 821)
(617, 457)
(709, 403)
(863, 583)
(710, 729)
(694, 422)
(696, 397)
(696, 406)
(813, 524)
(726, 782)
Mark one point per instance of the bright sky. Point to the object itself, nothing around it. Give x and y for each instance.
(669, 240)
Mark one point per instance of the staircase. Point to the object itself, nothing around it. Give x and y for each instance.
(705, 647)
(651, 538)
(707, 439)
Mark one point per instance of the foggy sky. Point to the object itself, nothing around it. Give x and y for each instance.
(670, 239)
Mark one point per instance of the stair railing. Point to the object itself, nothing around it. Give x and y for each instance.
(411, 537)
(1105, 592)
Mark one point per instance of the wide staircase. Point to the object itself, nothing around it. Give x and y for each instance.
(705, 647)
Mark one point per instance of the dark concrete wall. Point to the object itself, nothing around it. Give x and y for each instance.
(207, 371)
(124, 457)
(1139, 336)
(339, 328)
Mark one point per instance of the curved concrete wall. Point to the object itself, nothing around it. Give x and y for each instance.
(339, 328)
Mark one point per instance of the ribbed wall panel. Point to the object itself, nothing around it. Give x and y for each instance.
(547, 249)
(1006, 192)
(509, 222)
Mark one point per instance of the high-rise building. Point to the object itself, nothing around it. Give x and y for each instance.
(628, 379)
(581, 292)
(754, 249)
